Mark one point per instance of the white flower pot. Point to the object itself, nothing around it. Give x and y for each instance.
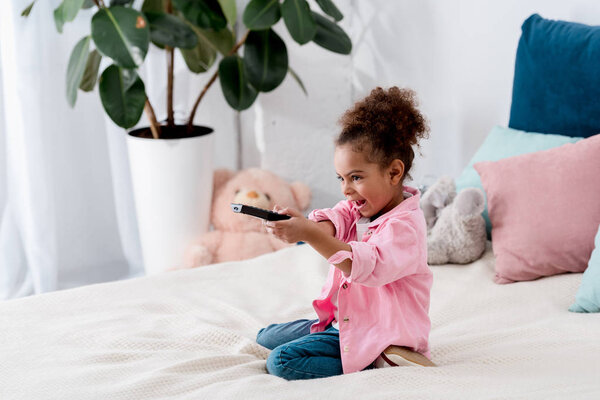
(172, 186)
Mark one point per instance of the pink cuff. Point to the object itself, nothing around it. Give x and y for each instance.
(318, 216)
(365, 258)
(339, 257)
(329, 214)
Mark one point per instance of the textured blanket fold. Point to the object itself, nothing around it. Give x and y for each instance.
(190, 335)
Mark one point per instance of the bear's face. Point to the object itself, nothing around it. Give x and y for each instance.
(251, 196)
(258, 188)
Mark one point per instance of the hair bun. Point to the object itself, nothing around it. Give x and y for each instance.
(385, 124)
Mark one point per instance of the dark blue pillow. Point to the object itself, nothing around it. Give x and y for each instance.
(557, 78)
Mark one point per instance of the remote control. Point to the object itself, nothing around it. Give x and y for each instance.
(258, 212)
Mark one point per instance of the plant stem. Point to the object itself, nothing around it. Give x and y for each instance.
(154, 126)
(211, 81)
(170, 75)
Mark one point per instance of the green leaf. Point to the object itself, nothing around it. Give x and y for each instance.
(298, 80)
(200, 58)
(169, 30)
(223, 40)
(237, 90)
(76, 67)
(123, 95)
(299, 20)
(230, 10)
(120, 2)
(66, 12)
(203, 13)
(27, 10)
(330, 9)
(154, 6)
(90, 75)
(122, 34)
(330, 36)
(59, 21)
(266, 59)
(203, 56)
(261, 14)
(88, 4)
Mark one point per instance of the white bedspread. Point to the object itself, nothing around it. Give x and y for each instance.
(190, 335)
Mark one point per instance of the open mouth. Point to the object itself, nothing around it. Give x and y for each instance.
(360, 203)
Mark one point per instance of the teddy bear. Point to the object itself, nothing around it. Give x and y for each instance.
(238, 236)
(455, 228)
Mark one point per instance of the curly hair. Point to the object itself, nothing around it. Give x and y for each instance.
(385, 125)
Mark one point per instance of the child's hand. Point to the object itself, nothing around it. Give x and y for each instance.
(292, 230)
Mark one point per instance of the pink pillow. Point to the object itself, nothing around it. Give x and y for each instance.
(545, 210)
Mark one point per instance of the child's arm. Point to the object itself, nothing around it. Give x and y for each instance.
(327, 246)
(340, 216)
(397, 250)
(320, 235)
(327, 226)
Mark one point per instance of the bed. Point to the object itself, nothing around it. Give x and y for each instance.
(190, 335)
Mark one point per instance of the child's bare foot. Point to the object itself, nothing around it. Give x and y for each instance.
(395, 356)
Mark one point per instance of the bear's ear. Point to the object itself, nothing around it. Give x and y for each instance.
(220, 178)
(302, 194)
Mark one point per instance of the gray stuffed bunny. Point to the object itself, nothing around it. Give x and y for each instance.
(455, 228)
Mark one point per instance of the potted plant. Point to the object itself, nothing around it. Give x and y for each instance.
(171, 164)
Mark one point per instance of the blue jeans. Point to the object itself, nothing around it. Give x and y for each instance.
(298, 354)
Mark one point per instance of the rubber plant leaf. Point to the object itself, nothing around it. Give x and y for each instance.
(266, 59)
(202, 13)
(122, 34)
(90, 75)
(169, 30)
(330, 36)
(76, 68)
(27, 10)
(230, 10)
(237, 90)
(299, 20)
(330, 9)
(66, 12)
(261, 14)
(298, 80)
(123, 95)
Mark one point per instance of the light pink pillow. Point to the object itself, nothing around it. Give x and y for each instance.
(545, 210)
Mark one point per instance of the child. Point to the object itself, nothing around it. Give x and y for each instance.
(374, 305)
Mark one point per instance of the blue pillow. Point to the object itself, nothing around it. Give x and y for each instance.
(556, 87)
(502, 143)
(588, 295)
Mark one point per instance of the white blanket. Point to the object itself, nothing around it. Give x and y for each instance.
(190, 335)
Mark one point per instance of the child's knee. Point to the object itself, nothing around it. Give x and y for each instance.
(259, 334)
(265, 338)
(274, 364)
(260, 338)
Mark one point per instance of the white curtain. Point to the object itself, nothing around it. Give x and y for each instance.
(66, 208)
(58, 211)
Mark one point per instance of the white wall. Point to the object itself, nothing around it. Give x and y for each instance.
(458, 55)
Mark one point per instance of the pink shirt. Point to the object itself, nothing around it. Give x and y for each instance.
(385, 300)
